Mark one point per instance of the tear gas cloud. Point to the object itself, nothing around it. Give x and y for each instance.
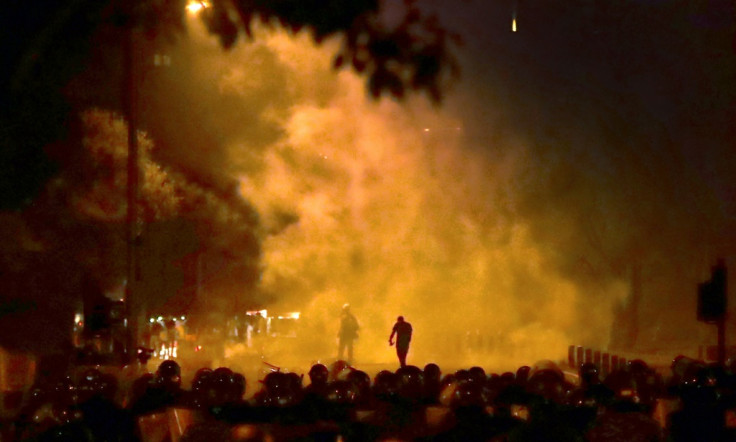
(452, 216)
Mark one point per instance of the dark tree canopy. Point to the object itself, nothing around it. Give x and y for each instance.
(62, 194)
(48, 43)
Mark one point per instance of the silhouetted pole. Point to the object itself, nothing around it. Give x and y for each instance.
(720, 278)
(713, 304)
(130, 100)
(722, 341)
(634, 306)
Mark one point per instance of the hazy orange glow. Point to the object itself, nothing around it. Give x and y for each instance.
(494, 252)
(393, 215)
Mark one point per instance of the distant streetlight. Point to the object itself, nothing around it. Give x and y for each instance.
(195, 7)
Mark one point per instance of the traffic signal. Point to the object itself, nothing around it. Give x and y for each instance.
(98, 319)
(712, 301)
(104, 314)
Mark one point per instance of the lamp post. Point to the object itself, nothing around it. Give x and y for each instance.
(130, 98)
(195, 7)
(136, 305)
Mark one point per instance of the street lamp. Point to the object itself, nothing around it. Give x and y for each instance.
(132, 78)
(195, 7)
(129, 100)
(134, 304)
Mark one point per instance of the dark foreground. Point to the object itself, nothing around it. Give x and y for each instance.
(695, 402)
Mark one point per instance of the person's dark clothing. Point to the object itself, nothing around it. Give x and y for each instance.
(106, 421)
(403, 332)
(701, 418)
(347, 334)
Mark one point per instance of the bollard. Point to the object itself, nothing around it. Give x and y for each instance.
(614, 363)
(588, 355)
(571, 356)
(597, 358)
(579, 360)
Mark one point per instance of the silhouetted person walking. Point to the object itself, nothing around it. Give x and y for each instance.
(347, 334)
(402, 330)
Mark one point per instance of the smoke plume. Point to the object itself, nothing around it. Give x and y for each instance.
(504, 225)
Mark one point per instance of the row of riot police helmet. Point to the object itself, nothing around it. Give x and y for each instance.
(345, 384)
(341, 383)
(524, 397)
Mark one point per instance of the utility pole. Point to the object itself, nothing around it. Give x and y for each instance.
(130, 98)
(135, 69)
(713, 304)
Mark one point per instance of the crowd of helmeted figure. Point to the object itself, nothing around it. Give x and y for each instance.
(694, 402)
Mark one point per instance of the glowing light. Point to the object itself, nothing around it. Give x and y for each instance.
(292, 315)
(195, 7)
(152, 320)
(513, 25)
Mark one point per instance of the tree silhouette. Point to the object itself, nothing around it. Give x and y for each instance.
(63, 170)
(75, 232)
(47, 44)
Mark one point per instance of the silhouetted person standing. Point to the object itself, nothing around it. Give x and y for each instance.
(347, 334)
(402, 330)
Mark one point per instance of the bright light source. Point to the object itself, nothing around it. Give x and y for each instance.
(195, 7)
(183, 318)
(513, 25)
(152, 320)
